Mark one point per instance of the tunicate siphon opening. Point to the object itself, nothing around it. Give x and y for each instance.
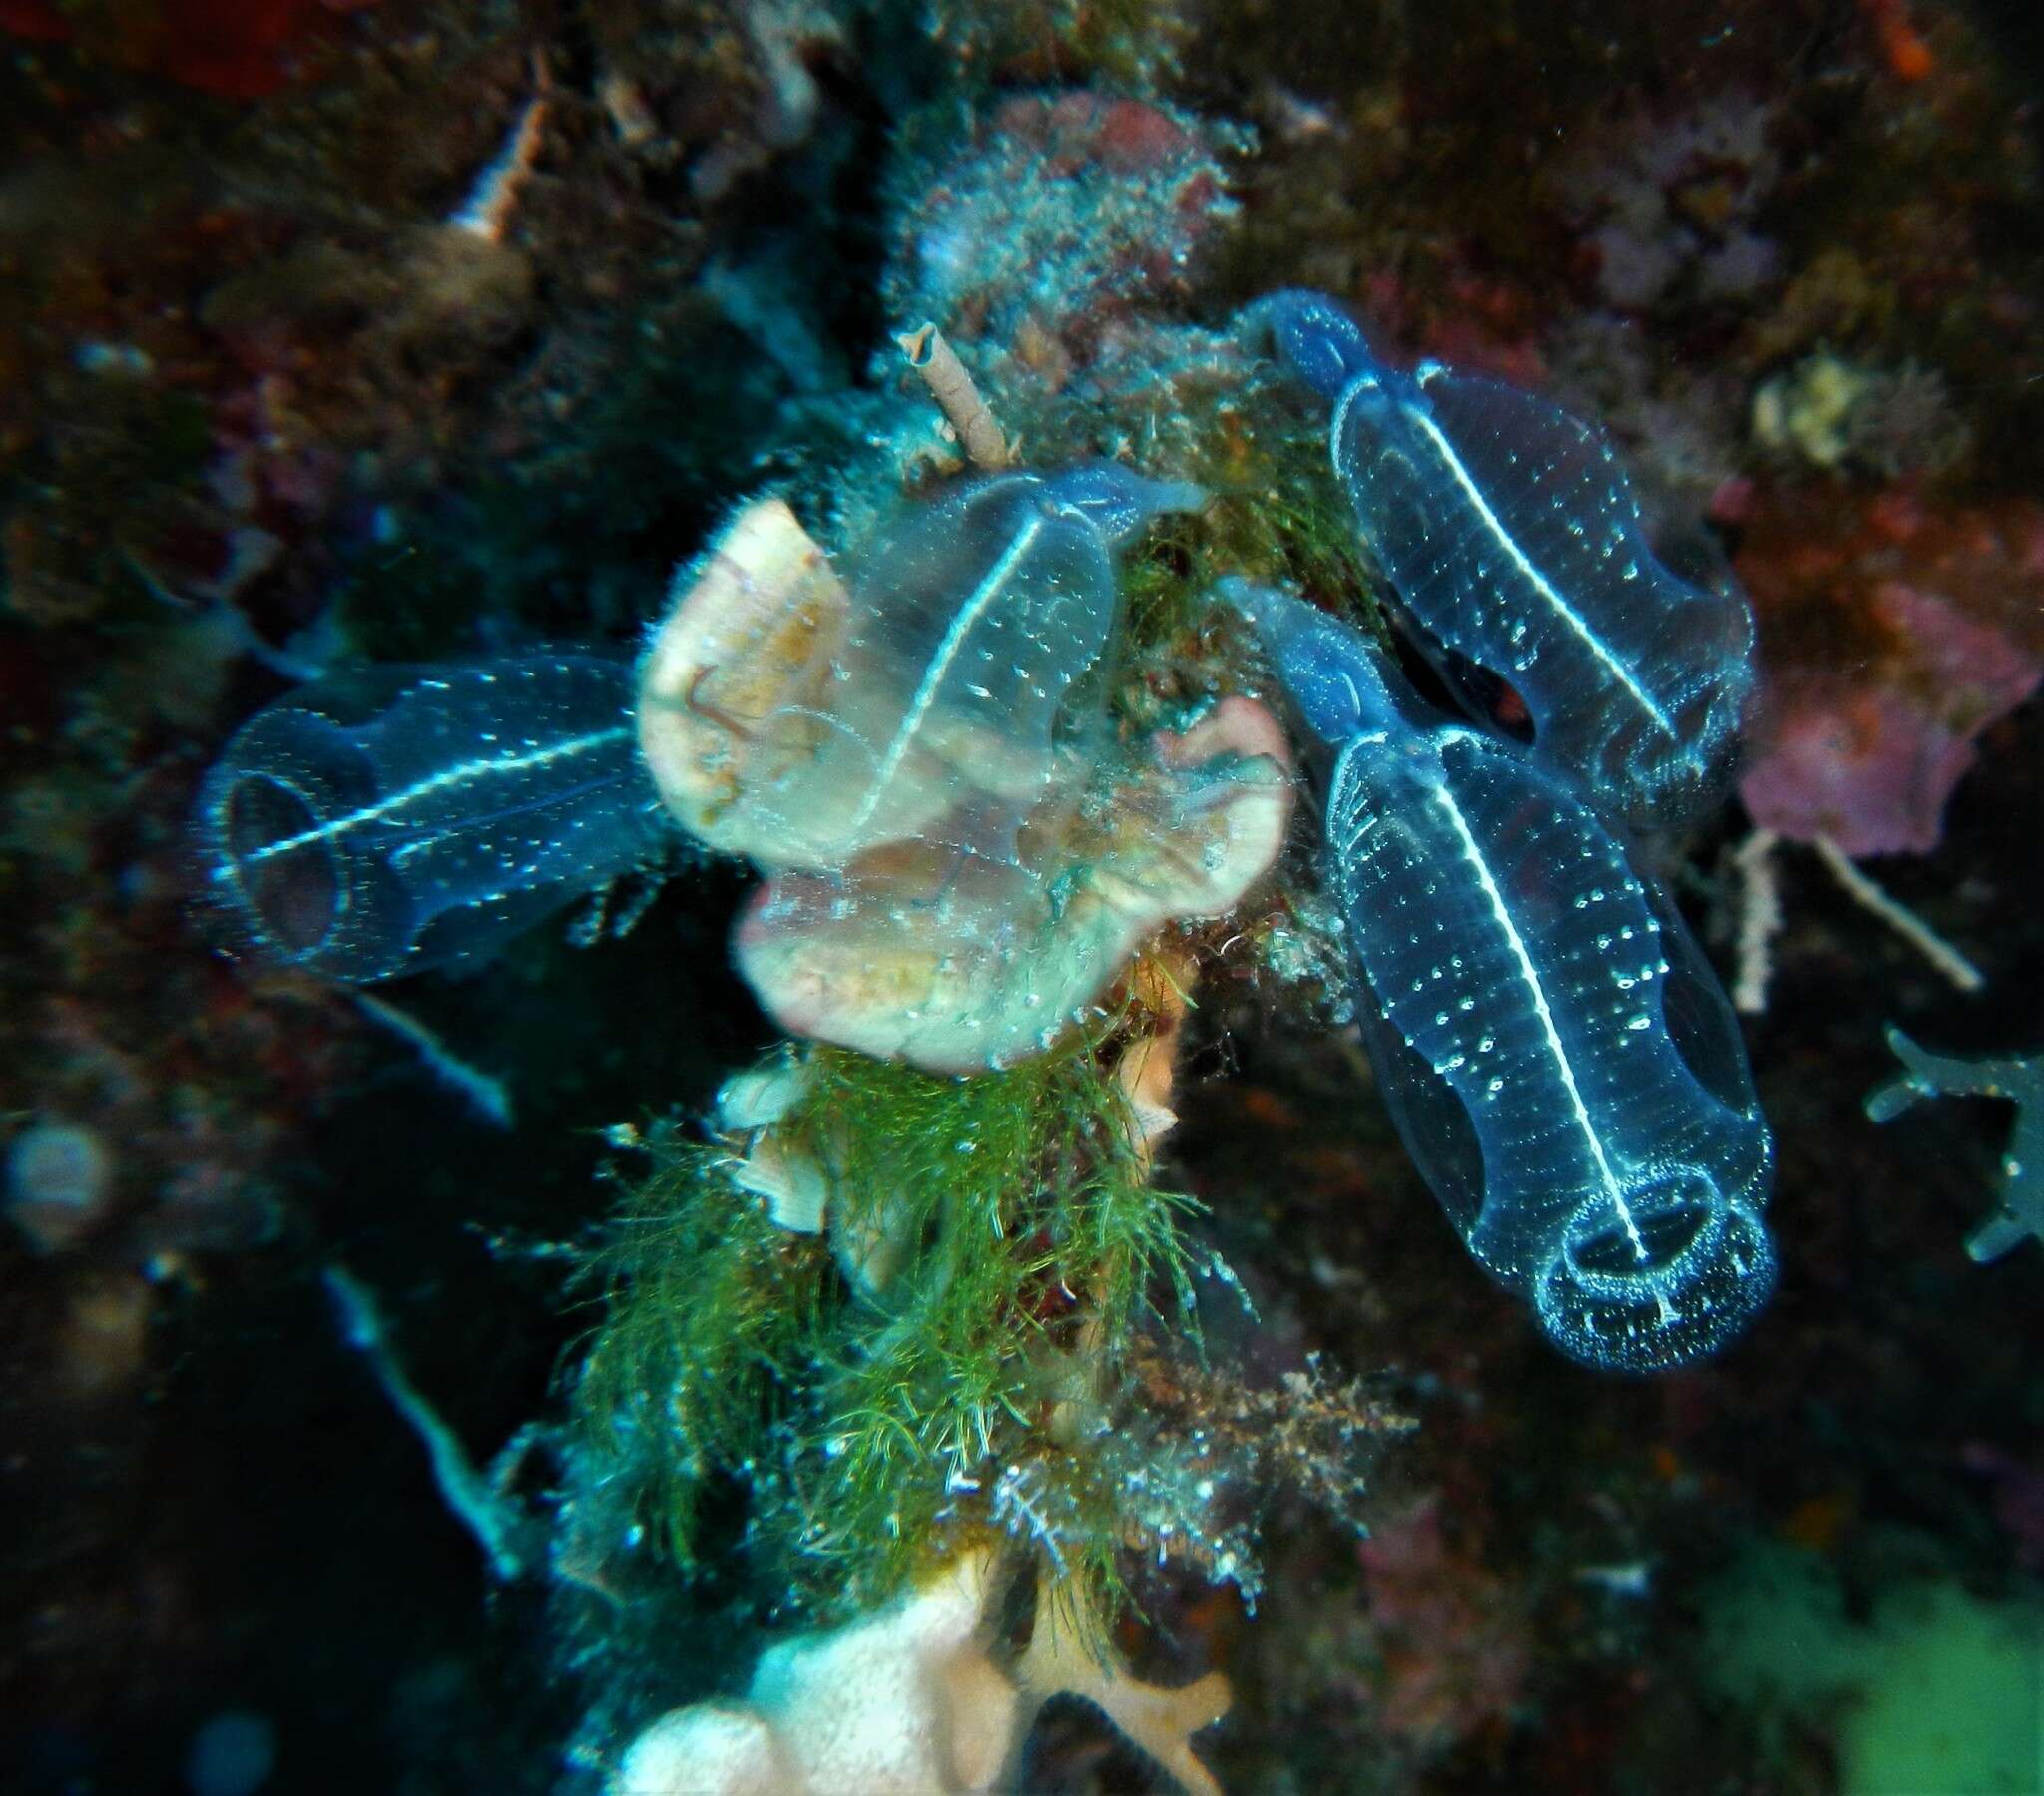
(293, 892)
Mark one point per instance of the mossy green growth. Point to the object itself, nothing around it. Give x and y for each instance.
(711, 1312)
(1276, 516)
(993, 1249)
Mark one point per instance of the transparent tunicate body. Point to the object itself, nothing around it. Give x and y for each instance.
(968, 671)
(401, 818)
(1509, 530)
(1558, 1057)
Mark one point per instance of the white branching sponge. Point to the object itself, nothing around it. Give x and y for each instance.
(908, 1701)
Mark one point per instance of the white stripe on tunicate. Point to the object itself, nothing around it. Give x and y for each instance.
(954, 638)
(1529, 976)
(1537, 580)
(425, 788)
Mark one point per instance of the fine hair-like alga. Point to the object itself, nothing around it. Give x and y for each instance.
(858, 1433)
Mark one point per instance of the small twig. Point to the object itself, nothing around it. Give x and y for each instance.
(1760, 920)
(979, 433)
(488, 1095)
(479, 1501)
(1861, 888)
(2018, 1213)
(487, 210)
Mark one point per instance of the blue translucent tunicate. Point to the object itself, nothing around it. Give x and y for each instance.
(1558, 1057)
(970, 667)
(1510, 533)
(387, 822)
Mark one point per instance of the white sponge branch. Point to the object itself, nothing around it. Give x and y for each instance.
(910, 1702)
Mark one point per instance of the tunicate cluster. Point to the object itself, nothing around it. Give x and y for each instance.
(960, 854)
(1554, 1049)
(1556, 1054)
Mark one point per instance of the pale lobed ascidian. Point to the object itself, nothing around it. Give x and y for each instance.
(957, 961)
(961, 857)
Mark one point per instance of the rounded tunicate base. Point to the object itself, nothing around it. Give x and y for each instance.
(1667, 1280)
